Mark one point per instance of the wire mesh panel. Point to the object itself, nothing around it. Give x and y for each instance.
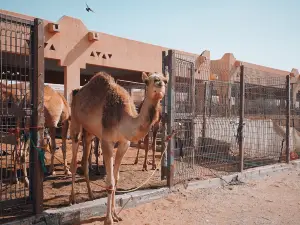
(135, 89)
(15, 108)
(265, 118)
(205, 117)
(295, 119)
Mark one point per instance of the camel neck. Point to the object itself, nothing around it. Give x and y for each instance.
(140, 125)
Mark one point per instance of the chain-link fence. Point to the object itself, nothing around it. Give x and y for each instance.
(20, 64)
(227, 118)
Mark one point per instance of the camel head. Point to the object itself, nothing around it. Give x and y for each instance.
(155, 85)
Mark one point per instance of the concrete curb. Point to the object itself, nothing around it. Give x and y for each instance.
(76, 213)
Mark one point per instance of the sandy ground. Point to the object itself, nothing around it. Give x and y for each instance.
(270, 200)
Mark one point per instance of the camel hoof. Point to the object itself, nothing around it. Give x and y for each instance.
(116, 218)
(135, 162)
(52, 173)
(72, 200)
(26, 182)
(108, 221)
(154, 167)
(91, 196)
(144, 169)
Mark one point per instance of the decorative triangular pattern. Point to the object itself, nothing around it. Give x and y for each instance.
(52, 47)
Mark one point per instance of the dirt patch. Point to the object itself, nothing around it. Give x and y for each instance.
(272, 200)
(57, 188)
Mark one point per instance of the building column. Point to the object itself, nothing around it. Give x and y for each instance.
(71, 80)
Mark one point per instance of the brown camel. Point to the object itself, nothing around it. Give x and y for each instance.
(155, 129)
(56, 109)
(104, 109)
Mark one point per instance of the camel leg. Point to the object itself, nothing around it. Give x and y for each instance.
(96, 152)
(64, 146)
(25, 152)
(154, 147)
(90, 164)
(107, 149)
(86, 153)
(146, 146)
(75, 135)
(15, 179)
(138, 152)
(17, 150)
(122, 148)
(52, 132)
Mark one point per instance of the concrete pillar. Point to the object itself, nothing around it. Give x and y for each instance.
(71, 80)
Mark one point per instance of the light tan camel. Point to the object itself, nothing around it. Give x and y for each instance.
(105, 109)
(294, 134)
(155, 129)
(56, 109)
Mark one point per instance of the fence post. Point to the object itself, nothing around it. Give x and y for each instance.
(171, 111)
(204, 115)
(164, 164)
(241, 120)
(288, 113)
(37, 99)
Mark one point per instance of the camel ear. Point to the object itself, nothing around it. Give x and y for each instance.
(145, 77)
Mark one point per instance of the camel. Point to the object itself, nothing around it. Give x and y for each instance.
(155, 129)
(104, 109)
(295, 134)
(56, 109)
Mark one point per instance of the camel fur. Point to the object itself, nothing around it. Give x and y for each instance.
(104, 109)
(56, 109)
(155, 129)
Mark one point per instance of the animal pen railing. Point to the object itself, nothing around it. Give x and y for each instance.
(21, 112)
(224, 127)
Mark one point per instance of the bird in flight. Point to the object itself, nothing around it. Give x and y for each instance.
(88, 8)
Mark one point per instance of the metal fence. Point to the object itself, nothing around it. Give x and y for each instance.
(21, 110)
(224, 126)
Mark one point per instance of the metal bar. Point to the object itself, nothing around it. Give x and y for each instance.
(171, 109)
(12, 19)
(164, 164)
(37, 98)
(193, 95)
(241, 121)
(288, 113)
(204, 114)
(210, 97)
(131, 82)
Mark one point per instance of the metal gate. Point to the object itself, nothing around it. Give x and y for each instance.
(21, 117)
(223, 126)
(135, 89)
(180, 102)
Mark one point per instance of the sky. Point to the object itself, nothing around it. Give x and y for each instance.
(265, 32)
